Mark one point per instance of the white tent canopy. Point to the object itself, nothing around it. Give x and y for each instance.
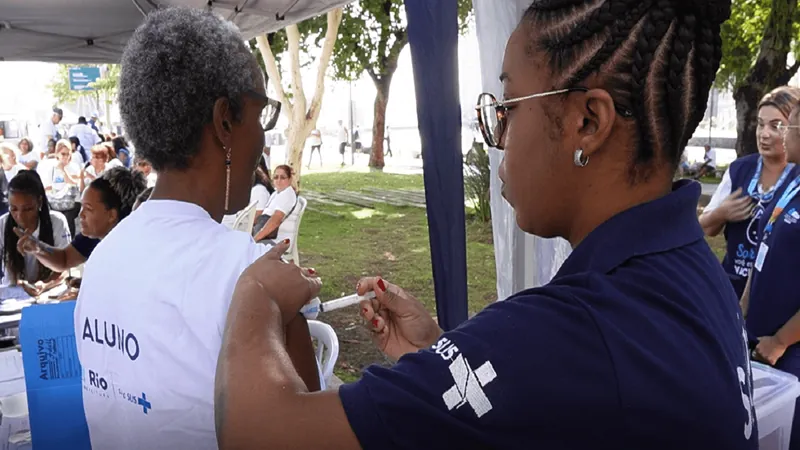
(95, 31)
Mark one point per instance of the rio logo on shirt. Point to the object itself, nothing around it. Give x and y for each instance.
(124, 342)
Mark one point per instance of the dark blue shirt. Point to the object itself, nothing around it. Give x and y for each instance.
(84, 245)
(637, 343)
(774, 297)
(742, 238)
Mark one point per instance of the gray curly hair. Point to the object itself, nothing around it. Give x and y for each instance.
(175, 66)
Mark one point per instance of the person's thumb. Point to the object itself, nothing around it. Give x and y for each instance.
(278, 250)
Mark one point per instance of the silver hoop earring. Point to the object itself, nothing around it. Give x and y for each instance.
(227, 177)
(579, 159)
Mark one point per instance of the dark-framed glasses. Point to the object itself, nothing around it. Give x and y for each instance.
(271, 112)
(493, 114)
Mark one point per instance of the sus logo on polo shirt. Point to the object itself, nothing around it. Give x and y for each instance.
(468, 383)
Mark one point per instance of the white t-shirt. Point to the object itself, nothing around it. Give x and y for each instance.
(283, 201)
(61, 238)
(149, 322)
(260, 195)
(342, 134)
(28, 157)
(114, 163)
(315, 138)
(151, 179)
(94, 175)
(57, 179)
(48, 128)
(711, 157)
(11, 173)
(85, 134)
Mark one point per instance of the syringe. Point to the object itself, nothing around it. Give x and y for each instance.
(315, 306)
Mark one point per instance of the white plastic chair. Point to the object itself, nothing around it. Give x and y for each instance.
(301, 208)
(243, 220)
(327, 349)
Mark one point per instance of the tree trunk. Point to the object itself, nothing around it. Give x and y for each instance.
(295, 142)
(768, 72)
(379, 125)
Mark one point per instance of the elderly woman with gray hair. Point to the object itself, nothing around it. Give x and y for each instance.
(154, 332)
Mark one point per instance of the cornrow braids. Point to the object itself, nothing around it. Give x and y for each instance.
(657, 56)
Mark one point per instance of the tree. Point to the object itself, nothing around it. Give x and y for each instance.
(757, 40)
(371, 37)
(106, 86)
(301, 113)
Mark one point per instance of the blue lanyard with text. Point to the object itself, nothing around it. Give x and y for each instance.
(788, 196)
(766, 197)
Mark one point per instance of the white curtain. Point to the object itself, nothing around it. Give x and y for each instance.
(522, 260)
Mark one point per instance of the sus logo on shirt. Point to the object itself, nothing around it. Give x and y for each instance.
(468, 384)
(124, 342)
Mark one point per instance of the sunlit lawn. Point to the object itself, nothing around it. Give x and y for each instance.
(344, 243)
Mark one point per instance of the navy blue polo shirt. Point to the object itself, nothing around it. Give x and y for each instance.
(774, 297)
(637, 343)
(742, 238)
(84, 245)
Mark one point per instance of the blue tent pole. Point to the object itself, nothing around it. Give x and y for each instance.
(433, 36)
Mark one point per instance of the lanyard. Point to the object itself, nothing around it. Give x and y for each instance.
(788, 195)
(766, 197)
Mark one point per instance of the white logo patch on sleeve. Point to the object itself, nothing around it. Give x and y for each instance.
(468, 386)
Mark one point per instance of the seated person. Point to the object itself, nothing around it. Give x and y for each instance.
(273, 224)
(8, 159)
(96, 166)
(709, 165)
(30, 212)
(108, 200)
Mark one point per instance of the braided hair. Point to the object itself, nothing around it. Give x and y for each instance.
(657, 59)
(26, 182)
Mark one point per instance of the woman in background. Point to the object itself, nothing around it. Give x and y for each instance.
(748, 187)
(79, 155)
(108, 200)
(121, 149)
(63, 185)
(771, 302)
(29, 211)
(272, 223)
(96, 167)
(262, 187)
(28, 157)
(9, 161)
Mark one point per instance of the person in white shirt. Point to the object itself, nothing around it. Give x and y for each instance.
(274, 223)
(142, 165)
(85, 134)
(153, 333)
(315, 140)
(62, 183)
(97, 165)
(49, 130)
(8, 160)
(262, 188)
(709, 164)
(29, 211)
(28, 157)
(342, 140)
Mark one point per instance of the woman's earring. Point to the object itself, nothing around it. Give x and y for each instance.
(580, 160)
(227, 177)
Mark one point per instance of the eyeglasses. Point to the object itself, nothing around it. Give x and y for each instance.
(783, 128)
(493, 114)
(271, 112)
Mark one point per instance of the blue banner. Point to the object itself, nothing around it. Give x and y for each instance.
(433, 36)
(80, 77)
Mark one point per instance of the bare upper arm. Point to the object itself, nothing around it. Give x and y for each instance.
(315, 421)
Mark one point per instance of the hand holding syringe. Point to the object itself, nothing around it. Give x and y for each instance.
(315, 306)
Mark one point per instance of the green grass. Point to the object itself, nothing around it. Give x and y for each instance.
(387, 241)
